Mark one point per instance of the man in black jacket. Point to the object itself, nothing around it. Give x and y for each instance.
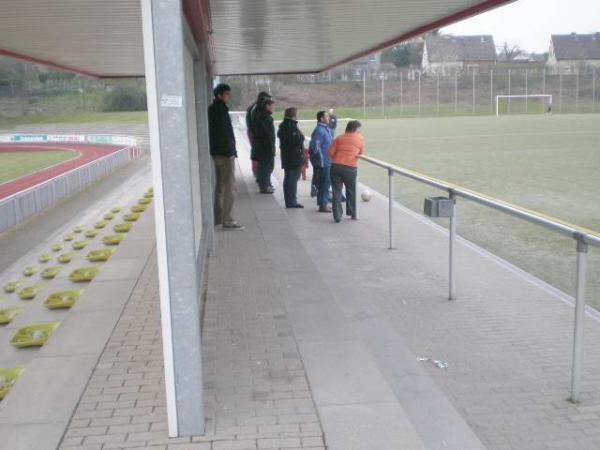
(251, 113)
(264, 146)
(223, 152)
(291, 143)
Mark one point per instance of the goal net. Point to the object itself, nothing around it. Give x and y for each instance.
(523, 104)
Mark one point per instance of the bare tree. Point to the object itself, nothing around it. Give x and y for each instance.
(510, 52)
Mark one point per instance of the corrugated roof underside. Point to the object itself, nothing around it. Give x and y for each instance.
(262, 36)
(104, 37)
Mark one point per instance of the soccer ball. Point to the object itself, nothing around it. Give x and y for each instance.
(366, 195)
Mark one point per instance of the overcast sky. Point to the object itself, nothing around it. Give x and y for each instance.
(529, 23)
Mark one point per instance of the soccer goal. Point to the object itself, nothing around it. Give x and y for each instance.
(523, 104)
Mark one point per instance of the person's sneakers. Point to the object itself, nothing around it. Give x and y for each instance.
(337, 220)
(233, 226)
(297, 205)
(267, 190)
(326, 209)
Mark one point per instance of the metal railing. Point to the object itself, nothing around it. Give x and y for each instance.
(18, 207)
(583, 239)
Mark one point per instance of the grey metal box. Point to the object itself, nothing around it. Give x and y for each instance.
(438, 206)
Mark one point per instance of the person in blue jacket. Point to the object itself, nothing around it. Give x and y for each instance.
(320, 141)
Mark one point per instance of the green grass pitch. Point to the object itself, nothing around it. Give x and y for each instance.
(15, 165)
(548, 163)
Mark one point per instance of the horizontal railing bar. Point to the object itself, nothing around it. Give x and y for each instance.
(550, 223)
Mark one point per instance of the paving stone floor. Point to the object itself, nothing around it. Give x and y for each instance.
(256, 392)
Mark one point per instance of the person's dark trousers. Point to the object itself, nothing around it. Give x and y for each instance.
(265, 169)
(290, 186)
(324, 185)
(343, 176)
(314, 183)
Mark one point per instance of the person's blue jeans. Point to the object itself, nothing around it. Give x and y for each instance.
(324, 185)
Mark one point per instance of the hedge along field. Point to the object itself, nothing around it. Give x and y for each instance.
(15, 165)
(548, 163)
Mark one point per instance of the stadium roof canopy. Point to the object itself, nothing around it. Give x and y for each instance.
(104, 37)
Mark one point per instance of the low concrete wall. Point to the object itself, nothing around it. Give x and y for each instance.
(21, 206)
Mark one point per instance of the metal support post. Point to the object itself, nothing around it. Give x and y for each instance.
(526, 91)
(437, 96)
(593, 89)
(172, 125)
(452, 240)
(473, 103)
(419, 93)
(582, 250)
(544, 81)
(508, 106)
(364, 80)
(492, 89)
(560, 83)
(577, 91)
(383, 97)
(391, 207)
(455, 92)
(401, 94)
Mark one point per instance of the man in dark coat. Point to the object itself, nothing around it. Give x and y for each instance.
(264, 143)
(223, 152)
(333, 121)
(251, 113)
(291, 144)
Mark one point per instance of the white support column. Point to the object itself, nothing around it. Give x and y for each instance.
(168, 97)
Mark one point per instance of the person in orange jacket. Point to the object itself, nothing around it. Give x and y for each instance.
(344, 153)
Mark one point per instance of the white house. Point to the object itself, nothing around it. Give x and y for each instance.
(572, 53)
(446, 54)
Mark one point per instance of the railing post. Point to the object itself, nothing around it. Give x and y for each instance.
(391, 207)
(582, 250)
(452, 240)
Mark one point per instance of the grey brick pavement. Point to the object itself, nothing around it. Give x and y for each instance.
(256, 392)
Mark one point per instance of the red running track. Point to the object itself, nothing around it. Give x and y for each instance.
(87, 154)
